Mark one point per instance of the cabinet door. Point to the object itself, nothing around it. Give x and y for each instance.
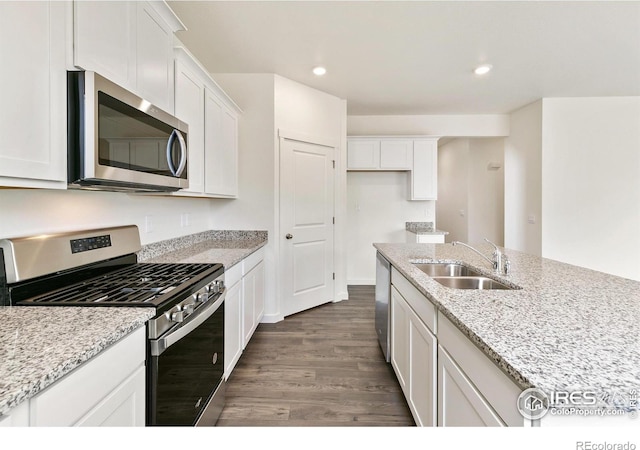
(154, 62)
(124, 406)
(104, 39)
(259, 299)
(400, 339)
(221, 148)
(363, 155)
(422, 372)
(424, 177)
(248, 306)
(459, 402)
(91, 389)
(232, 327)
(396, 154)
(33, 94)
(189, 107)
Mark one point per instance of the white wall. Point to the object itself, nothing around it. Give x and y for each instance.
(452, 204)
(25, 212)
(486, 191)
(430, 125)
(271, 103)
(591, 183)
(470, 202)
(523, 180)
(377, 209)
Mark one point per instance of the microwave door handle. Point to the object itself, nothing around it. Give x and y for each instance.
(183, 153)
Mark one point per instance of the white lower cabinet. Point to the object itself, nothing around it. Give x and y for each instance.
(413, 357)
(446, 379)
(244, 306)
(459, 402)
(108, 390)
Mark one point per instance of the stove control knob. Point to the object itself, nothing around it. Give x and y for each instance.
(218, 285)
(177, 316)
(188, 308)
(202, 297)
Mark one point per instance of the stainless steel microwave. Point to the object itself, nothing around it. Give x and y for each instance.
(117, 141)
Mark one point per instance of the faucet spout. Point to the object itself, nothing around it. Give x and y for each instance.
(471, 248)
(499, 262)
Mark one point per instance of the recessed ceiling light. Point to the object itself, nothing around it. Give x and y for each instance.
(319, 71)
(483, 69)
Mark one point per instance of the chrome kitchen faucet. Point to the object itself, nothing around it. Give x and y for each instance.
(500, 262)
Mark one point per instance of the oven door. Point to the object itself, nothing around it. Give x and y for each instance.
(185, 370)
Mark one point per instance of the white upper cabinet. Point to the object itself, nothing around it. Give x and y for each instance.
(396, 154)
(424, 182)
(416, 154)
(130, 43)
(221, 147)
(363, 154)
(189, 107)
(213, 130)
(33, 94)
(154, 57)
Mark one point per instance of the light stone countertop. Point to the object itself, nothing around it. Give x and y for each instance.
(227, 248)
(40, 345)
(423, 228)
(568, 328)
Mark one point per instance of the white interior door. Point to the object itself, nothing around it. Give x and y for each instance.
(306, 224)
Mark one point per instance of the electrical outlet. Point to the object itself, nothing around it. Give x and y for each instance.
(184, 220)
(531, 219)
(148, 224)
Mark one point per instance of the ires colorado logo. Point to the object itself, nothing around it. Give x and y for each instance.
(534, 404)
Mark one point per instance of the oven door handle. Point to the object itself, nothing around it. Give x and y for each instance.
(158, 346)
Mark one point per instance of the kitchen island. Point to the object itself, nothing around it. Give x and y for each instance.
(561, 329)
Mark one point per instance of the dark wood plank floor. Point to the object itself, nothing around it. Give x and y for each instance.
(321, 367)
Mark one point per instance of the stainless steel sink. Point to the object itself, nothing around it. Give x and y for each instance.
(446, 270)
(475, 282)
(458, 276)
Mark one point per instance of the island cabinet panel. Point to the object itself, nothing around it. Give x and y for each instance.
(459, 402)
(413, 358)
(500, 392)
(446, 379)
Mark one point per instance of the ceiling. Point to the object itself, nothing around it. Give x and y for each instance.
(417, 57)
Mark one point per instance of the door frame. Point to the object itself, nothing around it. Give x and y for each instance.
(283, 135)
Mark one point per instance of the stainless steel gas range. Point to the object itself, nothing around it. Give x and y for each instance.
(99, 268)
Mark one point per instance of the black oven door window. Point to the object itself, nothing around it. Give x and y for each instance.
(184, 376)
(130, 139)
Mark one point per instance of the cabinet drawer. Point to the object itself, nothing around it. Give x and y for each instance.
(491, 382)
(68, 400)
(423, 307)
(233, 274)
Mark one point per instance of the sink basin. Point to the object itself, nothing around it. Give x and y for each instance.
(470, 282)
(446, 270)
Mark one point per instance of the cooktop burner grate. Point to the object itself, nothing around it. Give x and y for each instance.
(143, 284)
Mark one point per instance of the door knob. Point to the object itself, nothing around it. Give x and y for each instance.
(289, 236)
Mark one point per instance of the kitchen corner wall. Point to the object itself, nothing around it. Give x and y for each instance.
(377, 209)
(470, 202)
(377, 201)
(25, 212)
(573, 169)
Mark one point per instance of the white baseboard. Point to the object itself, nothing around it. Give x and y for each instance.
(362, 282)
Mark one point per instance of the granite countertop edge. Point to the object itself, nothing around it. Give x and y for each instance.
(41, 345)
(596, 351)
(224, 247)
